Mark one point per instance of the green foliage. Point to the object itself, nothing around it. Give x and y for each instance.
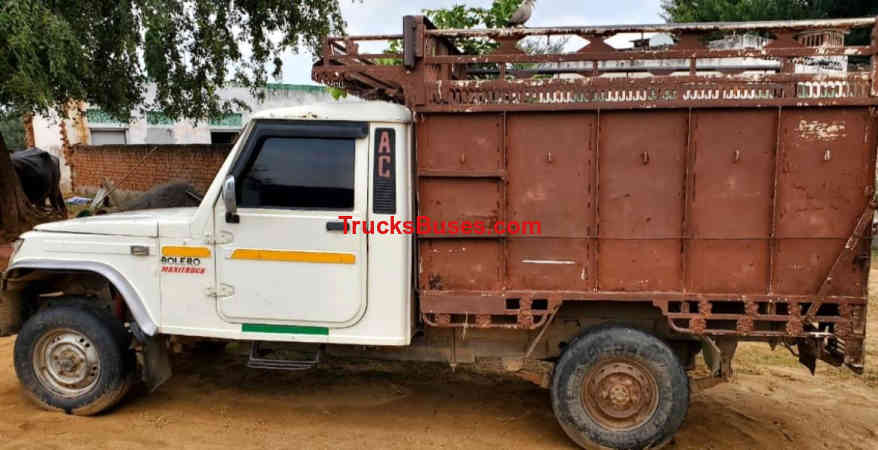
(12, 129)
(337, 94)
(105, 51)
(747, 10)
(460, 16)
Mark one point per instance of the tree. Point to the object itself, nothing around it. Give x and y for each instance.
(497, 16)
(460, 16)
(12, 128)
(747, 10)
(103, 52)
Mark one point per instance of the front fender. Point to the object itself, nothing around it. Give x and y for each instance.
(135, 303)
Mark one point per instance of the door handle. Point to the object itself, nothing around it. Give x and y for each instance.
(335, 226)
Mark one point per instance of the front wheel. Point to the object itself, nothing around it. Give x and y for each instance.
(74, 358)
(616, 387)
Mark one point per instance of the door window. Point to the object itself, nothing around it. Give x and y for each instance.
(300, 173)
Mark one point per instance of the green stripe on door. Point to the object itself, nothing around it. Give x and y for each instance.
(283, 329)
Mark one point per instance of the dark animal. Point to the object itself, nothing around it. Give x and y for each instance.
(171, 195)
(40, 175)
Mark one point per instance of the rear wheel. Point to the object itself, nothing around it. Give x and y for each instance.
(74, 358)
(617, 387)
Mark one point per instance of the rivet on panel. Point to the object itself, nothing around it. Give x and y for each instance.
(549, 157)
(463, 158)
(737, 155)
(827, 155)
(645, 157)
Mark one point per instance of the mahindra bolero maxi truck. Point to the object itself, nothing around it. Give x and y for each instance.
(590, 220)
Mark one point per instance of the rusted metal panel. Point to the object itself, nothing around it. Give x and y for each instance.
(463, 143)
(801, 265)
(641, 200)
(550, 264)
(550, 172)
(734, 163)
(640, 265)
(460, 264)
(733, 266)
(444, 199)
(738, 203)
(730, 210)
(641, 166)
(825, 179)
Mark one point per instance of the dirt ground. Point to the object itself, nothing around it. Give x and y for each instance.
(214, 401)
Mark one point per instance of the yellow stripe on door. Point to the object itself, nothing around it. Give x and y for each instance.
(291, 256)
(186, 252)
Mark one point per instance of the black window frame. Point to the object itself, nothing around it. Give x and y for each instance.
(267, 129)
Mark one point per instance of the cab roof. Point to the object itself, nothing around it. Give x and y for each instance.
(341, 111)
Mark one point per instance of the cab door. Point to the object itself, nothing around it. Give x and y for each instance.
(284, 259)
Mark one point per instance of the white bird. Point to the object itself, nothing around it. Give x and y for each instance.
(522, 14)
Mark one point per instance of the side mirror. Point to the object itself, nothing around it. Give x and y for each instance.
(229, 199)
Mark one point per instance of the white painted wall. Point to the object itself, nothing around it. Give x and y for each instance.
(48, 133)
(47, 136)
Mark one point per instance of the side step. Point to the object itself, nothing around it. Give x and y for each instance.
(258, 361)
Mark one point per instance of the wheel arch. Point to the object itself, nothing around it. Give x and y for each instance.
(135, 303)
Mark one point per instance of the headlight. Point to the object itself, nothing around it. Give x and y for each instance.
(15, 247)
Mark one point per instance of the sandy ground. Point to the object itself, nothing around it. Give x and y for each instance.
(215, 402)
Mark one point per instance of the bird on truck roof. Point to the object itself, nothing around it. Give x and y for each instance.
(522, 14)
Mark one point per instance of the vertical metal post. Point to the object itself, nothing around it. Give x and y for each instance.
(775, 180)
(688, 197)
(596, 252)
(504, 186)
(875, 59)
(409, 41)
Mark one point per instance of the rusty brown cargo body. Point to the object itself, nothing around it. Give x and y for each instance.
(737, 201)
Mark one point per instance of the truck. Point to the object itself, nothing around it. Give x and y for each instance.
(591, 220)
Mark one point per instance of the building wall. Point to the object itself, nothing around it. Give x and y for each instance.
(47, 136)
(137, 168)
(152, 128)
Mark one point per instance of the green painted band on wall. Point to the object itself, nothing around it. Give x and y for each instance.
(283, 329)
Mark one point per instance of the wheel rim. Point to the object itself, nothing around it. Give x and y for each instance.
(620, 394)
(66, 362)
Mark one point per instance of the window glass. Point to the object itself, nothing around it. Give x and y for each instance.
(301, 173)
(223, 137)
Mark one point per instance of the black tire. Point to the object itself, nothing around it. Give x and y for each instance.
(75, 329)
(626, 370)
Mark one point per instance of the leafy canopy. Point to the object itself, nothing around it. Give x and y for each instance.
(747, 10)
(460, 16)
(12, 130)
(105, 51)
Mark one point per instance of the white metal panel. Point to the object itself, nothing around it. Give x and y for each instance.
(388, 320)
(355, 111)
(140, 272)
(295, 293)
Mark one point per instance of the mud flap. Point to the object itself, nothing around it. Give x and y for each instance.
(807, 350)
(156, 359)
(156, 362)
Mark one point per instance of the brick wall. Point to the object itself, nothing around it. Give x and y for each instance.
(197, 163)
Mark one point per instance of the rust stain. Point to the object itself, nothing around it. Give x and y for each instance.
(815, 130)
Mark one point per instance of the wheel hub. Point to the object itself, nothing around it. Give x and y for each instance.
(620, 394)
(66, 362)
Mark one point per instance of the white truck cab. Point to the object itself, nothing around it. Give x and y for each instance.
(265, 257)
(277, 266)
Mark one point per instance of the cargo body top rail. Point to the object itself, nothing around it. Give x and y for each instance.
(432, 75)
